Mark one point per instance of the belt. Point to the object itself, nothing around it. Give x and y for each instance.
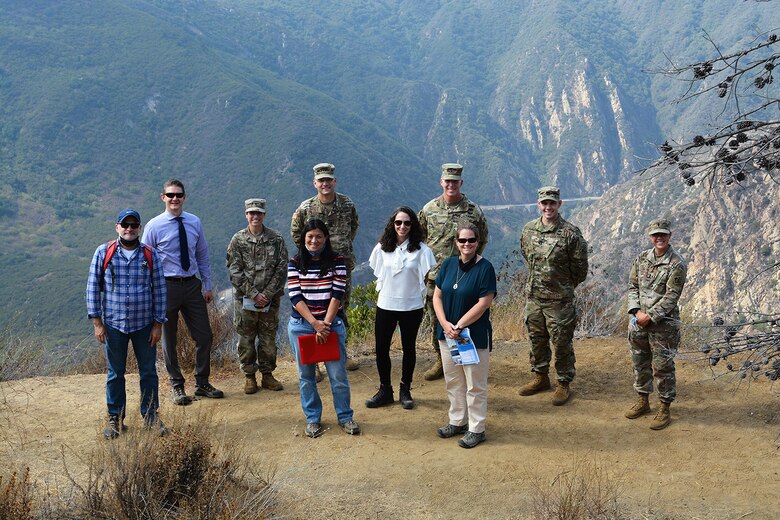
(180, 279)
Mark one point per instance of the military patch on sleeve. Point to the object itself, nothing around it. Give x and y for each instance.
(677, 281)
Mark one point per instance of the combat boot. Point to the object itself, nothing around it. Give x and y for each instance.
(662, 418)
(269, 382)
(250, 384)
(351, 364)
(540, 382)
(436, 371)
(640, 407)
(562, 393)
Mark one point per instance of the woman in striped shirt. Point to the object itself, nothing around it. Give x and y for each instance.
(316, 279)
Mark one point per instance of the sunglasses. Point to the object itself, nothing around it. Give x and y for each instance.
(405, 223)
(175, 195)
(131, 225)
(470, 240)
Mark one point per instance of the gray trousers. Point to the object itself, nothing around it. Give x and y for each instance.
(185, 296)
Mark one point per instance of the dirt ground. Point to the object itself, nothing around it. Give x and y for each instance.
(719, 458)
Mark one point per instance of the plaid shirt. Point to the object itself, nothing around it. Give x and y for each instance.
(131, 298)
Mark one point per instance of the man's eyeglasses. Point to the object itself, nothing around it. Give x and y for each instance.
(131, 225)
(470, 240)
(406, 223)
(175, 195)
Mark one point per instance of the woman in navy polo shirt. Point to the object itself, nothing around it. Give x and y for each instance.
(465, 289)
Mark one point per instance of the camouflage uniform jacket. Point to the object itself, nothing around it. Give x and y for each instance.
(257, 264)
(557, 258)
(439, 221)
(655, 284)
(341, 218)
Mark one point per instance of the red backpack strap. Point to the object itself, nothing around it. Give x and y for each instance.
(149, 257)
(110, 250)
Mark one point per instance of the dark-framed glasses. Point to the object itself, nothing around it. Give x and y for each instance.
(175, 195)
(470, 240)
(131, 225)
(406, 223)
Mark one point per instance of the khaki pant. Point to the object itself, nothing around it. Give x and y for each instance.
(467, 389)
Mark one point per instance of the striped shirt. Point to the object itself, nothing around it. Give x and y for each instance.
(126, 297)
(315, 290)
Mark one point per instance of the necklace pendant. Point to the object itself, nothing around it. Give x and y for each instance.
(455, 286)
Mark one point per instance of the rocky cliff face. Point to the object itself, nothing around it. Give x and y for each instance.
(730, 237)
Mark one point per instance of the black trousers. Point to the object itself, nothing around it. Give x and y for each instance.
(185, 296)
(384, 327)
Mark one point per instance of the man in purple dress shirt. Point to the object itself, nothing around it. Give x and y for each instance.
(178, 238)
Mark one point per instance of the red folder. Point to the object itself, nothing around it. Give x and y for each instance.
(313, 352)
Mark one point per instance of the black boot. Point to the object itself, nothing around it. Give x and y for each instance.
(384, 396)
(405, 396)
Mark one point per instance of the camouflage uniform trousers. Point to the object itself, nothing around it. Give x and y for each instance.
(652, 354)
(262, 325)
(430, 313)
(551, 322)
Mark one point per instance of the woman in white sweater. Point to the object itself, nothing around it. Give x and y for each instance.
(400, 262)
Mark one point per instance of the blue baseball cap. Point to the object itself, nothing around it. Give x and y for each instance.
(127, 213)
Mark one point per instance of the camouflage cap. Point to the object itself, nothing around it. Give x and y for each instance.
(549, 193)
(254, 205)
(324, 170)
(451, 172)
(127, 213)
(660, 225)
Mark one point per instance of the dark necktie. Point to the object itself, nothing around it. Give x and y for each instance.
(184, 250)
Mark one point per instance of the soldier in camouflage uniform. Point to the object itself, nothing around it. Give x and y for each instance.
(557, 259)
(257, 262)
(338, 213)
(439, 219)
(655, 283)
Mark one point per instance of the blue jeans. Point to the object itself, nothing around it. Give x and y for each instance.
(116, 358)
(337, 373)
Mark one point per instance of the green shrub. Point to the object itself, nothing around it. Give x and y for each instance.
(361, 313)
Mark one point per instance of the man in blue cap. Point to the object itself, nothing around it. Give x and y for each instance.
(126, 302)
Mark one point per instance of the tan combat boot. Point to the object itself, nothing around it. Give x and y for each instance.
(269, 382)
(250, 384)
(540, 382)
(436, 371)
(662, 418)
(640, 407)
(561, 394)
(351, 364)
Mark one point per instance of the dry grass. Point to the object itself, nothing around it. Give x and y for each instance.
(16, 496)
(598, 315)
(223, 350)
(20, 357)
(508, 310)
(586, 491)
(184, 475)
